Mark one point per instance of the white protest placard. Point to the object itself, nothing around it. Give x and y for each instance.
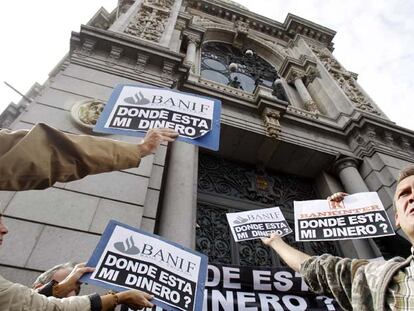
(358, 216)
(254, 224)
(137, 108)
(127, 258)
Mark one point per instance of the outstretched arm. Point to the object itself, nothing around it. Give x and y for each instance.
(293, 257)
(38, 158)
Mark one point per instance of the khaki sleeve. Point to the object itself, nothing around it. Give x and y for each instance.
(38, 158)
(332, 276)
(16, 297)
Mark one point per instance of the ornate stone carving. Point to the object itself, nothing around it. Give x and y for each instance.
(302, 112)
(167, 71)
(201, 20)
(271, 122)
(370, 132)
(142, 60)
(311, 106)
(279, 90)
(311, 75)
(294, 75)
(389, 139)
(241, 27)
(181, 24)
(114, 55)
(193, 38)
(150, 21)
(405, 144)
(346, 80)
(86, 113)
(86, 48)
(348, 85)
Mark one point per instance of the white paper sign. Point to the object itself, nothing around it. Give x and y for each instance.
(259, 223)
(358, 216)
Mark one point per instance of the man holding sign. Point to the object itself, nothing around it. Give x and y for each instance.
(357, 284)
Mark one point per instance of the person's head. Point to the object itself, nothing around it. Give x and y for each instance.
(3, 230)
(404, 202)
(57, 273)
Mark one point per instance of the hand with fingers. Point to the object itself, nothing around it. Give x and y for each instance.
(273, 238)
(154, 138)
(135, 299)
(335, 200)
(337, 197)
(71, 282)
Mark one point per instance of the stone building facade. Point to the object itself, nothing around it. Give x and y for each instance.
(296, 125)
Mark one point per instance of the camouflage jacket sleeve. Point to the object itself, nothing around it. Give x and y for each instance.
(332, 276)
(38, 158)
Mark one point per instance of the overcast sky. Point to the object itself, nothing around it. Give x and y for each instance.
(375, 38)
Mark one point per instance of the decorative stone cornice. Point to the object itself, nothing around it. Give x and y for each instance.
(372, 138)
(292, 26)
(293, 69)
(149, 57)
(302, 113)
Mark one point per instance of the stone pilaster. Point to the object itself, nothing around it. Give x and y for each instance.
(178, 214)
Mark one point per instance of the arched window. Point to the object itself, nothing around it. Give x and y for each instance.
(227, 65)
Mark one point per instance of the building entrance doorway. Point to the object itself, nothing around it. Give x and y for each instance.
(224, 187)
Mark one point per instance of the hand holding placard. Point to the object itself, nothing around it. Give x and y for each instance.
(154, 138)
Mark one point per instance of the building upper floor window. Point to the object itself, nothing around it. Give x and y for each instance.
(228, 65)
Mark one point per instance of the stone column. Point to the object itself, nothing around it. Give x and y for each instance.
(191, 54)
(179, 207)
(310, 105)
(352, 181)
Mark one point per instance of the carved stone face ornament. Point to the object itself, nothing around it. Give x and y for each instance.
(86, 113)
